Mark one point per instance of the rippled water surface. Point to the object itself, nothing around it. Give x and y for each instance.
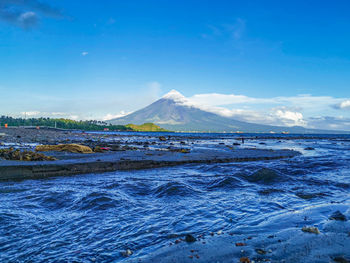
(94, 217)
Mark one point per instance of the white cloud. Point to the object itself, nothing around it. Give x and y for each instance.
(154, 85)
(110, 116)
(30, 113)
(344, 104)
(330, 122)
(84, 53)
(281, 111)
(236, 29)
(231, 31)
(154, 89)
(27, 19)
(300, 101)
(289, 117)
(73, 117)
(58, 114)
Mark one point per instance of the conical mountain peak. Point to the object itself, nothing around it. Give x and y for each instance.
(174, 95)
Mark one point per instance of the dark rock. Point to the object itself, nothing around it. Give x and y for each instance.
(260, 251)
(309, 149)
(337, 215)
(308, 196)
(190, 239)
(162, 138)
(264, 175)
(340, 259)
(127, 253)
(17, 155)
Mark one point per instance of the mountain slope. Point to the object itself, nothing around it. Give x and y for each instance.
(172, 112)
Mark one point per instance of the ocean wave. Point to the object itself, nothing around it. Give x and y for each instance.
(225, 182)
(265, 176)
(99, 201)
(174, 189)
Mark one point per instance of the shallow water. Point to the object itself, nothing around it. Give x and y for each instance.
(94, 217)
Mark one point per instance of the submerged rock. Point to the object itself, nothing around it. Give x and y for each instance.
(309, 149)
(190, 239)
(341, 259)
(311, 229)
(308, 196)
(337, 215)
(260, 251)
(127, 253)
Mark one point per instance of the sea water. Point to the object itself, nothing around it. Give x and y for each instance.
(94, 217)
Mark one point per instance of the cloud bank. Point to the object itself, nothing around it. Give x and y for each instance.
(297, 110)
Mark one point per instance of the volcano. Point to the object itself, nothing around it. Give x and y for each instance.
(174, 112)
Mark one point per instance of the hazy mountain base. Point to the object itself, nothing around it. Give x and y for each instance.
(172, 115)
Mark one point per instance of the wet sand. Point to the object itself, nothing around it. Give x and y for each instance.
(276, 239)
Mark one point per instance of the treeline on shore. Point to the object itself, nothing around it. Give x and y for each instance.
(91, 125)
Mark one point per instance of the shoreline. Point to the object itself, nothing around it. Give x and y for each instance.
(128, 160)
(125, 153)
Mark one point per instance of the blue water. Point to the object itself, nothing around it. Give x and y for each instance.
(93, 217)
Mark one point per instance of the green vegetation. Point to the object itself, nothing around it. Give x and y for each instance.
(62, 124)
(146, 127)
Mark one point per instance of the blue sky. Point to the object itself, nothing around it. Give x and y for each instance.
(288, 60)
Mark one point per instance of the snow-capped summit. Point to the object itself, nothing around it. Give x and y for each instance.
(174, 95)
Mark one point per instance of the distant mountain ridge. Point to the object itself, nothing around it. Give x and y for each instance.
(173, 112)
